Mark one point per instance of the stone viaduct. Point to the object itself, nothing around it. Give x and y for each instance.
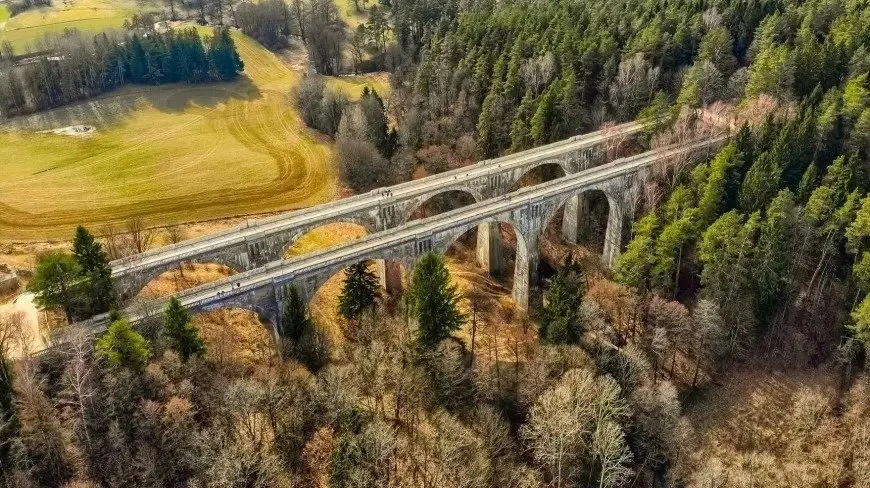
(528, 211)
(257, 243)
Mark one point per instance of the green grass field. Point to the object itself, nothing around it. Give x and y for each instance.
(353, 86)
(24, 29)
(349, 13)
(171, 153)
(4, 13)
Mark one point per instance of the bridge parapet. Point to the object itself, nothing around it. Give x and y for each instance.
(528, 211)
(256, 243)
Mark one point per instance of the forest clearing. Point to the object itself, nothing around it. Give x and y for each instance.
(244, 138)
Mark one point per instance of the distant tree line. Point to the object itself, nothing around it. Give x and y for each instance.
(80, 67)
(316, 22)
(15, 7)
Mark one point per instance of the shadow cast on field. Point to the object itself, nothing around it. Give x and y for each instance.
(115, 107)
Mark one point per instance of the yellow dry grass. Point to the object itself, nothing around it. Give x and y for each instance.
(231, 335)
(323, 306)
(350, 14)
(171, 154)
(353, 86)
(749, 428)
(24, 29)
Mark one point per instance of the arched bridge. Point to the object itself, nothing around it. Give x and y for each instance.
(528, 210)
(256, 243)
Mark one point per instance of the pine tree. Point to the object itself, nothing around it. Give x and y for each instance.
(95, 268)
(183, 336)
(123, 347)
(224, 60)
(520, 137)
(359, 292)
(860, 326)
(761, 183)
(633, 266)
(434, 301)
(294, 318)
(773, 255)
(562, 319)
(539, 127)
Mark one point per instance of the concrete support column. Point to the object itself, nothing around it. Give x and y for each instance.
(525, 277)
(621, 211)
(390, 273)
(489, 249)
(576, 210)
(613, 236)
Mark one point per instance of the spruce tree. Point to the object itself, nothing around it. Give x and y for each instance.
(95, 268)
(359, 292)
(123, 347)
(294, 318)
(562, 319)
(773, 256)
(223, 58)
(434, 301)
(183, 336)
(761, 183)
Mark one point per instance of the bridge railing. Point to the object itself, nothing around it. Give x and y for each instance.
(222, 235)
(203, 294)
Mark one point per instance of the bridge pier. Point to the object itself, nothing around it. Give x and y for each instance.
(390, 273)
(525, 277)
(490, 255)
(621, 210)
(576, 210)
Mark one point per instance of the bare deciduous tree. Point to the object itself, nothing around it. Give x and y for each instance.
(538, 72)
(612, 453)
(77, 380)
(141, 236)
(634, 86)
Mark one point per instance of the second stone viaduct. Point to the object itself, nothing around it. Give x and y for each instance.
(257, 243)
(528, 210)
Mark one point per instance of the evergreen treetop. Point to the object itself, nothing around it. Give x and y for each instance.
(123, 347)
(562, 318)
(434, 301)
(359, 291)
(183, 336)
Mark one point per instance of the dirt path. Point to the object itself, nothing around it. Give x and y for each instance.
(29, 314)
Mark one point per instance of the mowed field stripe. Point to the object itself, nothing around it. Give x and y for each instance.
(181, 152)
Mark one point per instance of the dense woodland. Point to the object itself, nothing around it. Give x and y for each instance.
(75, 66)
(761, 252)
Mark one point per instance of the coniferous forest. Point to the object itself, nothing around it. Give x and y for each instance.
(81, 66)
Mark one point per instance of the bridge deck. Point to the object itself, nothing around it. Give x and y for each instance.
(284, 271)
(279, 223)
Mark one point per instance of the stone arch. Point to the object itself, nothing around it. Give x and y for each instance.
(540, 172)
(263, 312)
(312, 287)
(299, 236)
(475, 194)
(267, 315)
(134, 282)
(524, 264)
(609, 214)
(586, 217)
